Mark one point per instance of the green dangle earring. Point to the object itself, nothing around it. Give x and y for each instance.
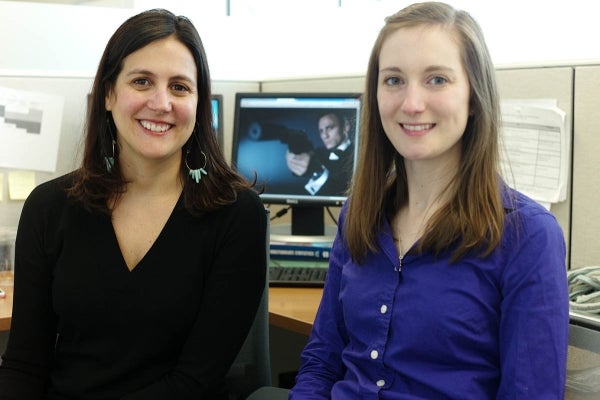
(196, 174)
(109, 161)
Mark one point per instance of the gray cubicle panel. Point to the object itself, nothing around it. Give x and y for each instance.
(554, 83)
(75, 91)
(326, 84)
(585, 247)
(228, 89)
(517, 83)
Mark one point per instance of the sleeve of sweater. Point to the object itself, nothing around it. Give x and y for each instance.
(26, 362)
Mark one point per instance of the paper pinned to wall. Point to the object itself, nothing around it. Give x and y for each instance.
(20, 184)
(30, 125)
(535, 149)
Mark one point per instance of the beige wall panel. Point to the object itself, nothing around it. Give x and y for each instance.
(75, 91)
(553, 83)
(330, 84)
(543, 83)
(228, 89)
(585, 246)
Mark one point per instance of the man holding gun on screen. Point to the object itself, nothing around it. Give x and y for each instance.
(328, 168)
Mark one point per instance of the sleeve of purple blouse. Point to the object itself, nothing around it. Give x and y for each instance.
(321, 359)
(534, 324)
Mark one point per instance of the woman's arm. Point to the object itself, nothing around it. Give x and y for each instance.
(322, 357)
(26, 362)
(535, 311)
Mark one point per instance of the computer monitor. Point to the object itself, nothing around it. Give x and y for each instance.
(216, 103)
(302, 147)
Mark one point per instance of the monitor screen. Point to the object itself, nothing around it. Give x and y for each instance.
(216, 103)
(301, 146)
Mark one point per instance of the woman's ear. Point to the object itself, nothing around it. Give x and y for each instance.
(108, 98)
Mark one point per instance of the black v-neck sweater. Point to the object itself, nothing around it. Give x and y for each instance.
(86, 327)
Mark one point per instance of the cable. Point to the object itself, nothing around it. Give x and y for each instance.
(281, 213)
(331, 215)
(584, 289)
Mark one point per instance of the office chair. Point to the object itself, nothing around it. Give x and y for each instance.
(258, 386)
(252, 366)
(269, 393)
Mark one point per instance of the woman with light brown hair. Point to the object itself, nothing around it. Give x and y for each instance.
(444, 283)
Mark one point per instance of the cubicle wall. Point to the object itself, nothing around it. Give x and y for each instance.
(544, 83)
(517, 83)
(574, 87)
(75, 91)
(585, 246)
(228, 89)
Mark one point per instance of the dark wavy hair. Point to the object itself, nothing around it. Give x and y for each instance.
(97, 188)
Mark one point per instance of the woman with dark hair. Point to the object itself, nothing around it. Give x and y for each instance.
(138, 275)
(443, 283)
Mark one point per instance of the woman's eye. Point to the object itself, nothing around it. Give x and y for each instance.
(392, 81)
(438, 80)
(179, 88)
(141, 81)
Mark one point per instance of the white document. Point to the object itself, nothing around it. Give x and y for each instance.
(20, 184)
(535, 148)
(30, 125)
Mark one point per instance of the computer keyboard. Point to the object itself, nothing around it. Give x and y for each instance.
(297, 276)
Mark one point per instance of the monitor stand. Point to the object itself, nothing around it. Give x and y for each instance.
(308, 221)
(308, 226)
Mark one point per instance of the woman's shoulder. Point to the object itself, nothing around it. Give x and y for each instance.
(247, 201)
(51, 191)
(516, 201)
(528, 213)
(250, 196)
(47, 201)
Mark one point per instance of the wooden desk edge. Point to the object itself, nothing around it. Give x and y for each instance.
(289, 323)
(4, 324)
(6, 303)
(294, 309)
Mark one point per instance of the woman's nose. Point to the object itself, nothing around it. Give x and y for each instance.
(160, 101)
(414, 100)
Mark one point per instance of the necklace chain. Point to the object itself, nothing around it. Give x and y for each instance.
(400, 247)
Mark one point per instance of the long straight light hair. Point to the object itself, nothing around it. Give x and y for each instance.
(473, 218)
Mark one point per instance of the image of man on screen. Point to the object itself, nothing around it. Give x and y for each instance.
(328, 168)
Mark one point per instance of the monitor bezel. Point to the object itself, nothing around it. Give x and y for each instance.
(293, 199)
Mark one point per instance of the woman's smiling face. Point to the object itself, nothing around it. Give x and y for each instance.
(423, 92)
(153, 102)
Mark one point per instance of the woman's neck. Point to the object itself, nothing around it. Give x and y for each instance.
(152, 178)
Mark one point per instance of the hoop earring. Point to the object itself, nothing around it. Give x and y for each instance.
(196, 174)
(109, 162)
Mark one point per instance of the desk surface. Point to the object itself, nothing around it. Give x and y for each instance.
(6, 302)
(293, 309)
